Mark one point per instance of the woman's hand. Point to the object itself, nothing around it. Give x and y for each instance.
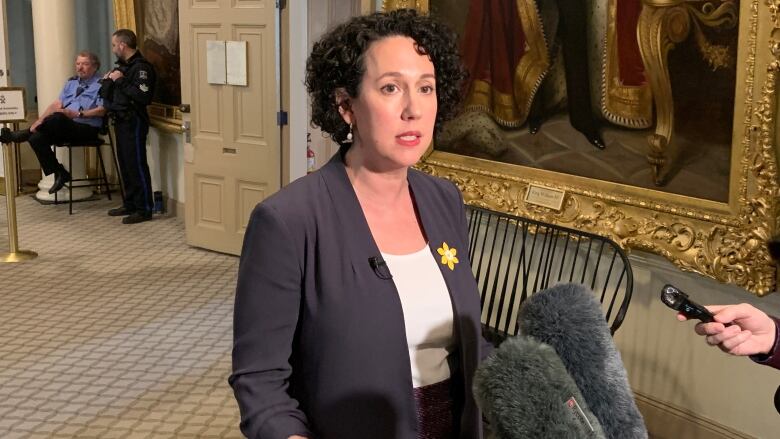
(751, 332)
(297, 437)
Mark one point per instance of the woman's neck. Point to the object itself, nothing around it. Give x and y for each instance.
(373, 184)
(386, 200)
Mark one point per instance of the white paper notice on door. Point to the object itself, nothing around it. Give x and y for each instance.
(215, 62)
(236, 62)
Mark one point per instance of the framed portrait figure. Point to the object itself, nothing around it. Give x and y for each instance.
(156, 23)
(655, 119)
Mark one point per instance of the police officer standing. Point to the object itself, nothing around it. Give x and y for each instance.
(126, 92)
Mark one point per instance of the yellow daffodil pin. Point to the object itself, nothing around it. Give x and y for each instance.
(448, 255)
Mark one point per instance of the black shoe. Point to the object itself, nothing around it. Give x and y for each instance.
(534, 125)
(596, 140)
(593, 136)
(120, 211)
(60, 178)
(8, 136)
(137, 217)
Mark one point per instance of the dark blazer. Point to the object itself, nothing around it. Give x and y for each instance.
(319, 339)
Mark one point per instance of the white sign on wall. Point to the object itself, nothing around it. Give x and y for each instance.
(12, 108)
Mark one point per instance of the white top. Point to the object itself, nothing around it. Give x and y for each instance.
(428, 314)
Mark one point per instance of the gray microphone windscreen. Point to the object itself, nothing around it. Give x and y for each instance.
(569, 318)
(525, 392)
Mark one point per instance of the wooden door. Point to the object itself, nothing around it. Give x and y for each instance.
(234, 159)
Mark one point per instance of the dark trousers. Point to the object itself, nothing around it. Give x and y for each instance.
(55, 129)
(131, 132)
(572, 34)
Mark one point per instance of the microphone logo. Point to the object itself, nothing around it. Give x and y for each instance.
(575, 408)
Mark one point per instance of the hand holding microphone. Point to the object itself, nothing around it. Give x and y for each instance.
(738, 329)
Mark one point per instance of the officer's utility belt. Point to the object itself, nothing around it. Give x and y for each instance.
(122, 115)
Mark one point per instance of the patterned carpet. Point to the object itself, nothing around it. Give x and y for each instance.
(114, 330)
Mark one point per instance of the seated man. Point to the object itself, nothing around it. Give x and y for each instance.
(76, 116)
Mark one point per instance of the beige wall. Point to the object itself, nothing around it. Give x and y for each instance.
(166, 163)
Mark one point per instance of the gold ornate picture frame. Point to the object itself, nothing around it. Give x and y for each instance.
(127, 15)
(724, 240)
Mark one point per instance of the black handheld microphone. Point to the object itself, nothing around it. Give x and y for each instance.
(672, 297)
(569, 318)
(525, 391)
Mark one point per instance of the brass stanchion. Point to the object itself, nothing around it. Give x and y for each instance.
(19, 182)
(14, 254)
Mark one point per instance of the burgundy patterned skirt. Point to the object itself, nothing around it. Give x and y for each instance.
(434, 411)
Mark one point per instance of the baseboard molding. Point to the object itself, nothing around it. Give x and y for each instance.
(665, 421)
(176, 208)
(30, 178)
(173, 209)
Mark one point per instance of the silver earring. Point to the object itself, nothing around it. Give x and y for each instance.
(349, 135)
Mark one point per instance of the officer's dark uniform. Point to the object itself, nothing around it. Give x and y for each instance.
(125, 100)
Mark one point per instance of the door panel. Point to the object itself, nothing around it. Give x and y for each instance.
(250, 121)
(249, 3)
(199, 4)
(207, 95)
(209, 194)
(249, 195)
(236, 160)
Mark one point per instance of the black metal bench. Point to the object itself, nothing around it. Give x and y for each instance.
(514, 257)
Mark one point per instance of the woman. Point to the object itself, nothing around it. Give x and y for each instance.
(357, 315)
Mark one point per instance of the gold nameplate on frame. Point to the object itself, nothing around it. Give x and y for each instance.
(545, 197)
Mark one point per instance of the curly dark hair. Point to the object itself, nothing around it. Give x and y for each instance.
(337, 61)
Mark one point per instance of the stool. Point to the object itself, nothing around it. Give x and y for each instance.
(90, 181)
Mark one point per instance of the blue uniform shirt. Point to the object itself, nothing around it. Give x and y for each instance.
(78, 95)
